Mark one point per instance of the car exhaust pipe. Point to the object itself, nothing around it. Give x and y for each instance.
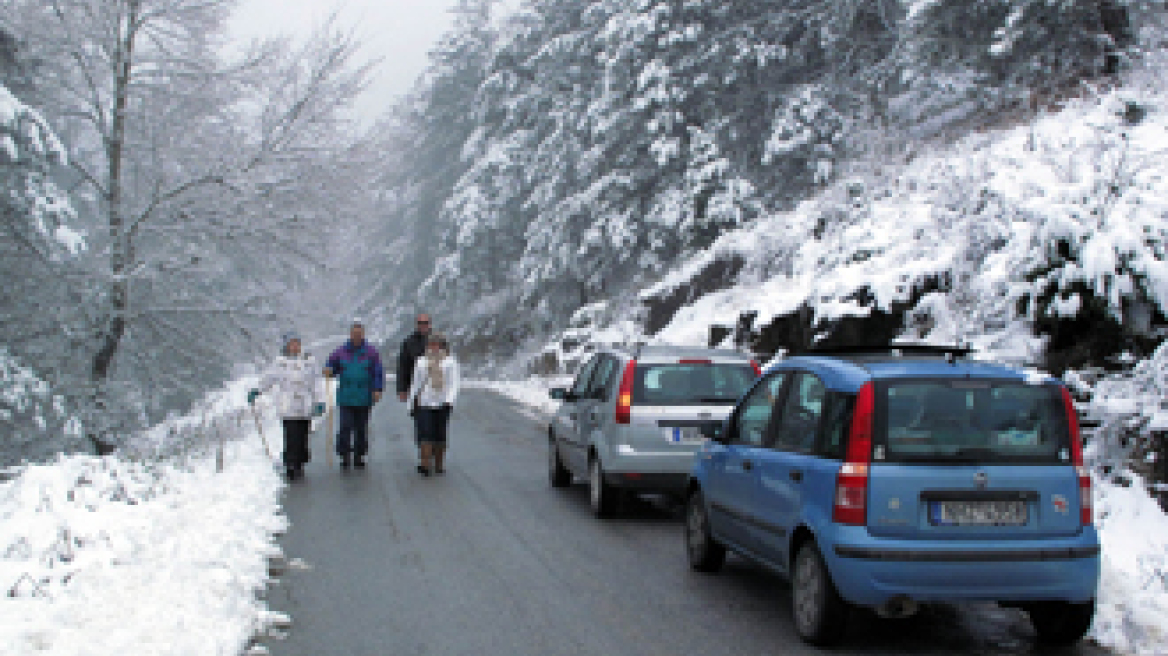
(896, 608)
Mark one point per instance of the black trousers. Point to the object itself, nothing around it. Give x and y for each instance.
(296, 441)
(431, 424)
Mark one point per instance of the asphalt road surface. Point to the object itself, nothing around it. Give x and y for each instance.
(489, 559)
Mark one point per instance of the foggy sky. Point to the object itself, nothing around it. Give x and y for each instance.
(399, 32)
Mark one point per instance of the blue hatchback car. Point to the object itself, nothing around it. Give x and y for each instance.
(885, 479)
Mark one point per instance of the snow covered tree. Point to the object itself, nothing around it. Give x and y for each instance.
(615, 136)
(39, 300)
(191, 169)
(596, 141)
(962, 58)
(423, 141)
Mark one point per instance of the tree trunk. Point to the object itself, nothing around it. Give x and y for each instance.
(119, 286)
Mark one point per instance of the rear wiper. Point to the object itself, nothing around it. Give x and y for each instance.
(959, 455)
(975, 452)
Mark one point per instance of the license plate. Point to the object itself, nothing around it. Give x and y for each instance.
(978, 513)
(683, 434)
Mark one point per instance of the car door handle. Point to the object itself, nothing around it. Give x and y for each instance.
(796, 475)
(572, 416)
(747, 465)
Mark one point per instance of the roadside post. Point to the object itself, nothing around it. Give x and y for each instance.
(328, 443)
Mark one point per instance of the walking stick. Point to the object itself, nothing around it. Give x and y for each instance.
(328, 444)
(260, 430)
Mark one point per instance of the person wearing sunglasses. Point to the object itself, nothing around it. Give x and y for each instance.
(412, 348)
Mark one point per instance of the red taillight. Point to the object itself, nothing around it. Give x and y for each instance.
(851, 495)
(851, 484)
(1086, 508)
(694, 361)
(624, 398)
(757, 369)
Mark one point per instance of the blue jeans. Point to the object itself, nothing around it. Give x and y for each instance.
(354, 434)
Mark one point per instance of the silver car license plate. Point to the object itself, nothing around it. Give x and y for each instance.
(978, 513)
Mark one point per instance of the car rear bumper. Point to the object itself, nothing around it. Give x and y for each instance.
(647, 482)
(966, 556)
(667, 468)
(869, 573)
(666, 459)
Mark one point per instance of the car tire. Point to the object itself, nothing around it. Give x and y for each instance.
(603, 497)
(819, 613)
(1061, 623)
(558, 474)
(705, 553)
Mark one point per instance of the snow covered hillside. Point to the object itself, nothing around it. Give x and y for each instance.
(119, 556)
(980, 242)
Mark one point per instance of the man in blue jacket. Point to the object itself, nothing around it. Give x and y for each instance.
(357, 367)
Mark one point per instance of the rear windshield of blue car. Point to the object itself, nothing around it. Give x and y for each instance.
(971, 421)
(691, 384)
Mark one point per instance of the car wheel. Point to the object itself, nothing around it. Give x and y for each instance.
(602, 496)
(705, 553)
(1060, 623)
(820, 613)
(558, 474)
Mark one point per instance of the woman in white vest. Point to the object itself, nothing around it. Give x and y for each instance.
(295, 383)
(431, 399)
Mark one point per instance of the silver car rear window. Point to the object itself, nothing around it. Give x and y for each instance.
(973, 420)
(691, 384)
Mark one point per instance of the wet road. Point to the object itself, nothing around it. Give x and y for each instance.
(489, 559)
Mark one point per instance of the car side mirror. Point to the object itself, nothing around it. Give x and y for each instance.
(713, 431)
(558, 393)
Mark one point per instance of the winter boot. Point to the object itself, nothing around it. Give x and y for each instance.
(344, 461)
(359, 462)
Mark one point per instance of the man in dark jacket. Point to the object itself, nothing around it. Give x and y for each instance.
(412, 348)
(358, 368)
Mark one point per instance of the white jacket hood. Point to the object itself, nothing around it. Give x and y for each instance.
(294, 384)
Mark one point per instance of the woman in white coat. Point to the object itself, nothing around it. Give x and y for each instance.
(431, 399)
(295, 383)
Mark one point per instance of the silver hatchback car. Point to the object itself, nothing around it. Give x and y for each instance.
(633, 420)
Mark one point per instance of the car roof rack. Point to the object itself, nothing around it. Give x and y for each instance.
(894, 350)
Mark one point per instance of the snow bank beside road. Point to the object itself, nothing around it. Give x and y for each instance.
(531, 393)
(1132, 614)
(108, 556)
